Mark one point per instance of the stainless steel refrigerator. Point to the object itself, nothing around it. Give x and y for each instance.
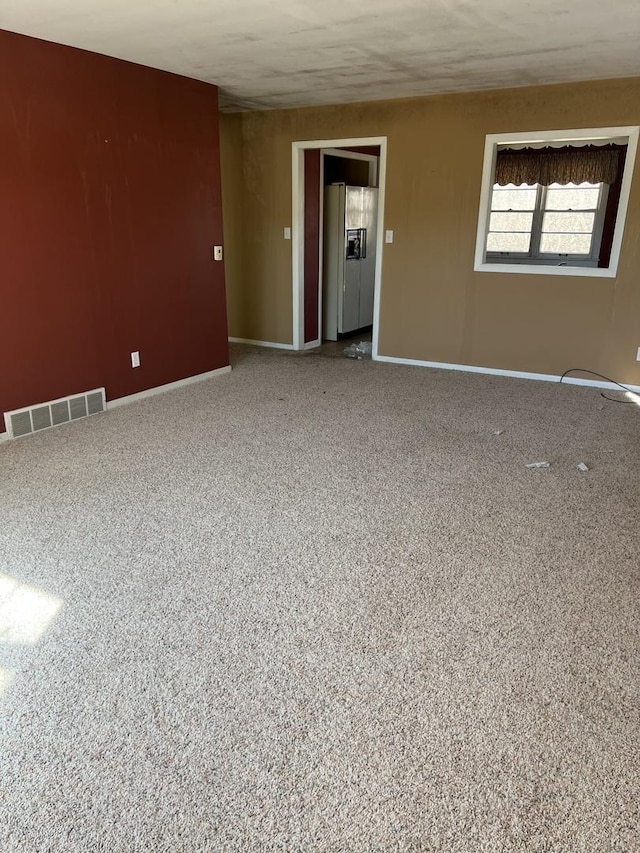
(350, 238)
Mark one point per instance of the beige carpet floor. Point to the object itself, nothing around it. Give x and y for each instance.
(317, 605)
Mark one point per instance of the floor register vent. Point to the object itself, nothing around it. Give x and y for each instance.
(44, 415)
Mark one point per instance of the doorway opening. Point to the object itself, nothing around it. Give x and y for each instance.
(337, 227)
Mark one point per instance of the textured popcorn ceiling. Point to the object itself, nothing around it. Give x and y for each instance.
(293, 53)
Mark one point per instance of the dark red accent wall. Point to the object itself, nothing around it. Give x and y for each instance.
(311, 242)
(109, 206)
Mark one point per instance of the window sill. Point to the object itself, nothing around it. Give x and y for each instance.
(545, 269)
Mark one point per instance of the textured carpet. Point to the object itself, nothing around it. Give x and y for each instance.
(317, 605)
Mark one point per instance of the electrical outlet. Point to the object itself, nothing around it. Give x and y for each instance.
(135, 359)
(388, 236)
(638, 354)
(217, 253)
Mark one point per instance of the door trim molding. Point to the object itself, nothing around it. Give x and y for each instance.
(297, 228)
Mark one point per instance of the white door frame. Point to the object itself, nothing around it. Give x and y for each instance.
(297, 231)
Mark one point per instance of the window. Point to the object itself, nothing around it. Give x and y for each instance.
(558, 223)
(555, 202)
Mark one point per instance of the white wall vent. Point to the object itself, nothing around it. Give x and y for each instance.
(27, 421)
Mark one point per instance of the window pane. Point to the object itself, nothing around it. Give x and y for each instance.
(566, 244)
(513, 198)
(508, 242)
(567, 199)
(575, 222)
(517, 221)
(572, 199)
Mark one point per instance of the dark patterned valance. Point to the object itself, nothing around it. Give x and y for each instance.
(569, 165)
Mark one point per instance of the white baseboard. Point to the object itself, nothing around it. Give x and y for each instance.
(260, 343)
(497, 371)
(170, 386)
(4, 436)
(313, 344)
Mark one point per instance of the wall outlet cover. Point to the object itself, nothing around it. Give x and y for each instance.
(135, 359)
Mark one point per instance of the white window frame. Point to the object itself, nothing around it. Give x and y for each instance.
(535, 255)
(483, 263)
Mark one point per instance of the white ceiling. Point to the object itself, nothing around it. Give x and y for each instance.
(289, 53)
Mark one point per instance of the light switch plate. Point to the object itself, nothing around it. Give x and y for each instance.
(388, 236)
(217, 253)
(135, 359)
(287, 233)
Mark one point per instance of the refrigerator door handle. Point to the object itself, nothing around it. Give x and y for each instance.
(363, 242)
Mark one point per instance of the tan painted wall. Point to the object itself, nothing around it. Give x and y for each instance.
(434, 306)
